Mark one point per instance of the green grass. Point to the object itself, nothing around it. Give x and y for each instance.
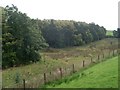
(54, 59)
(29, 72)
(102, 75)
(109, 33)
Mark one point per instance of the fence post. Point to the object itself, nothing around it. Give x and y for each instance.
(109, 53)
(65, 71)
(24, 84)
(44, 61)
(113, 52)
(44, 78)
(103, 55)
(50, 73)
(117, 51)
(91, 59)
(83, 63)
(73, 68)
(60, 72)
(44, 58)
(98, 57)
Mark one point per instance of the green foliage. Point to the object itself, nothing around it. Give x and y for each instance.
(109, 33)
(115, 34)
(22, 38)
(64, 33)
(17, 78)
(112, 34)
(78, 40)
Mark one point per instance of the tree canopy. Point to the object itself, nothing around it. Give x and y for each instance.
(23, 37)
(63, 33)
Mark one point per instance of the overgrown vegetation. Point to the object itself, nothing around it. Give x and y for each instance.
(55, 58)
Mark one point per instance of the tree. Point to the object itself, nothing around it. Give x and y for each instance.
(115, 34)
(8, 43)
(64, 33)
(22, 38)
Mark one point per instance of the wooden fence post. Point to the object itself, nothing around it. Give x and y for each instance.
(91, 59)
(44, 61)
(116, 51)
(109, 53)
(98, 57)
(44, 58)
(24, 84)
(73, 68)
(60, 72)
(50, 73)
(44, 78)
(113, 52)
(103, 55)
(65, 70)
(83, 63)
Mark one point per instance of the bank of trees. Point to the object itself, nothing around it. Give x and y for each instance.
(23, 37)
(63, 33)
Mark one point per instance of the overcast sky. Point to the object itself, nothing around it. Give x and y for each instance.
(101, 12)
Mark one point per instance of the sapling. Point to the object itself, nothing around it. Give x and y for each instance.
(17, 78)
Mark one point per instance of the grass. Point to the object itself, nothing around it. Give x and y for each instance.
(54, 59)
(102, 75)
(109, 33)
(29, 71)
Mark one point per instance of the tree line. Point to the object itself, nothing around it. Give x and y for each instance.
(64, 33)
(23, 38)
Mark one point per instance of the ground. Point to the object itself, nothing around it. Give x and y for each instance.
(56, 58)
(102, 75)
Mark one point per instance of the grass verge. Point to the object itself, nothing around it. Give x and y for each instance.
(102, 75)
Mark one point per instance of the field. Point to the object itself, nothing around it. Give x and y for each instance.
(102, 75)
(109, 33)
(53, 59)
